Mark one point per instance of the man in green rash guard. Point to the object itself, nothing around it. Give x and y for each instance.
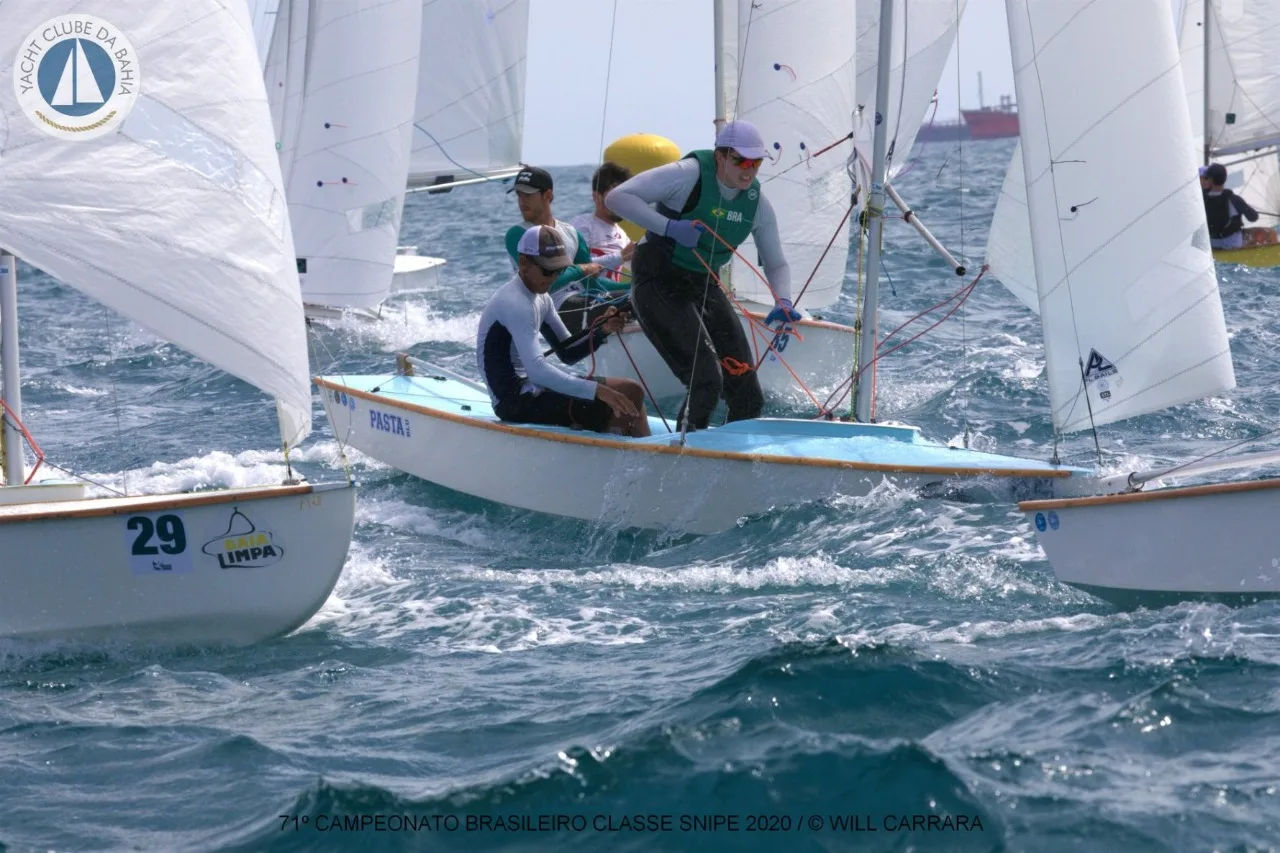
(534, 194)
(680, 306)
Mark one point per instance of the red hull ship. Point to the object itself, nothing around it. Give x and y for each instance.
(993, 122)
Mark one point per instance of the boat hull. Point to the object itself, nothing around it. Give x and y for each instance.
(444, 431)
(822, 357)
(233, 566)
(1216, 542)
(413, 272)
(1261, 255)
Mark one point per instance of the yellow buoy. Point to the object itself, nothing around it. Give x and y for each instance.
(640, 152)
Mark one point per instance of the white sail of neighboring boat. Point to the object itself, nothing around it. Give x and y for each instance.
(1125, 281)
(924, 33)
(1242, 81)
(469, 118)
(176, 219)
(789, 69)
(262, 14)
(342, 77)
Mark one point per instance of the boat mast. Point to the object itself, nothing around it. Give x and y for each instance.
(1208, 11)
(10, 391)
(717, 29)
(865, 390)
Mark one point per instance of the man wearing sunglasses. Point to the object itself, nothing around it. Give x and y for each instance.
(523, 385)
(702, 202)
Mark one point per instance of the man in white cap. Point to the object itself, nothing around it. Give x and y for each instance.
(682, 310)
(523, 385)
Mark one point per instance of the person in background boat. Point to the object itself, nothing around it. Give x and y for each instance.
(1223, 209)
(680, 306)
(609, 246)
(523, 385)
(534, 191)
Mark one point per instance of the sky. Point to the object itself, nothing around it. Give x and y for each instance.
(661, 73)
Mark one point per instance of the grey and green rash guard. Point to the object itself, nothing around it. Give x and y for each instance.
(670, 185)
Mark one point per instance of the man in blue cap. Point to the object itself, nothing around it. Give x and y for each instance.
(702, 202)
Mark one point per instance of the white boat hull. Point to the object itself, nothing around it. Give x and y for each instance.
(444, 431)
(823, 359)
(1216, 542)
(232, 566)
(413, 272)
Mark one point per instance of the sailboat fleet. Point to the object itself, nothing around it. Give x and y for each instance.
(308, 208)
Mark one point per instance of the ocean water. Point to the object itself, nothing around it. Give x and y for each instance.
(829, 678)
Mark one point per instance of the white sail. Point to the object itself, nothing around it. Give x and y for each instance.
(65, 95)
(262, 13)
(1244, 95)
(178, 219)
(795, 80)
(344, 74)
(1128, 294)
(1009, 255)
(87, 91)
(924, 33)
(469, 119)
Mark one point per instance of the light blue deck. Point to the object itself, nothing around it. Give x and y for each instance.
(872, 444)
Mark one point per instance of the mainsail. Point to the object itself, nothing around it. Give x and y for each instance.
(469, 118)
(342, 76)
(789, 68)
(1125, 280)
(178, 219)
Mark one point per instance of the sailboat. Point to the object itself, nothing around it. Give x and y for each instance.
(342, 77)
(1127, 295)
(439, 425)
(807, 75)
(167, 206)
(1231, 64)
(469, 116)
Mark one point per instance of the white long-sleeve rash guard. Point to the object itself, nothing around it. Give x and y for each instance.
(671, 185)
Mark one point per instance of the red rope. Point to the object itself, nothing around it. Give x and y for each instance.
(31, 441)
(753, 322)
(959, 297)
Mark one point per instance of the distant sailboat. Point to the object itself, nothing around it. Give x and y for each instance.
(341, 76)
(469, 117)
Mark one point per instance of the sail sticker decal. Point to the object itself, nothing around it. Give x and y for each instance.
(244, 545)
(157, 544)
(1098, 366)
(1040, 522)
(76, 77)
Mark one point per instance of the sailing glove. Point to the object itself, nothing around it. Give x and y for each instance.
(684, 232)
(784, 314)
